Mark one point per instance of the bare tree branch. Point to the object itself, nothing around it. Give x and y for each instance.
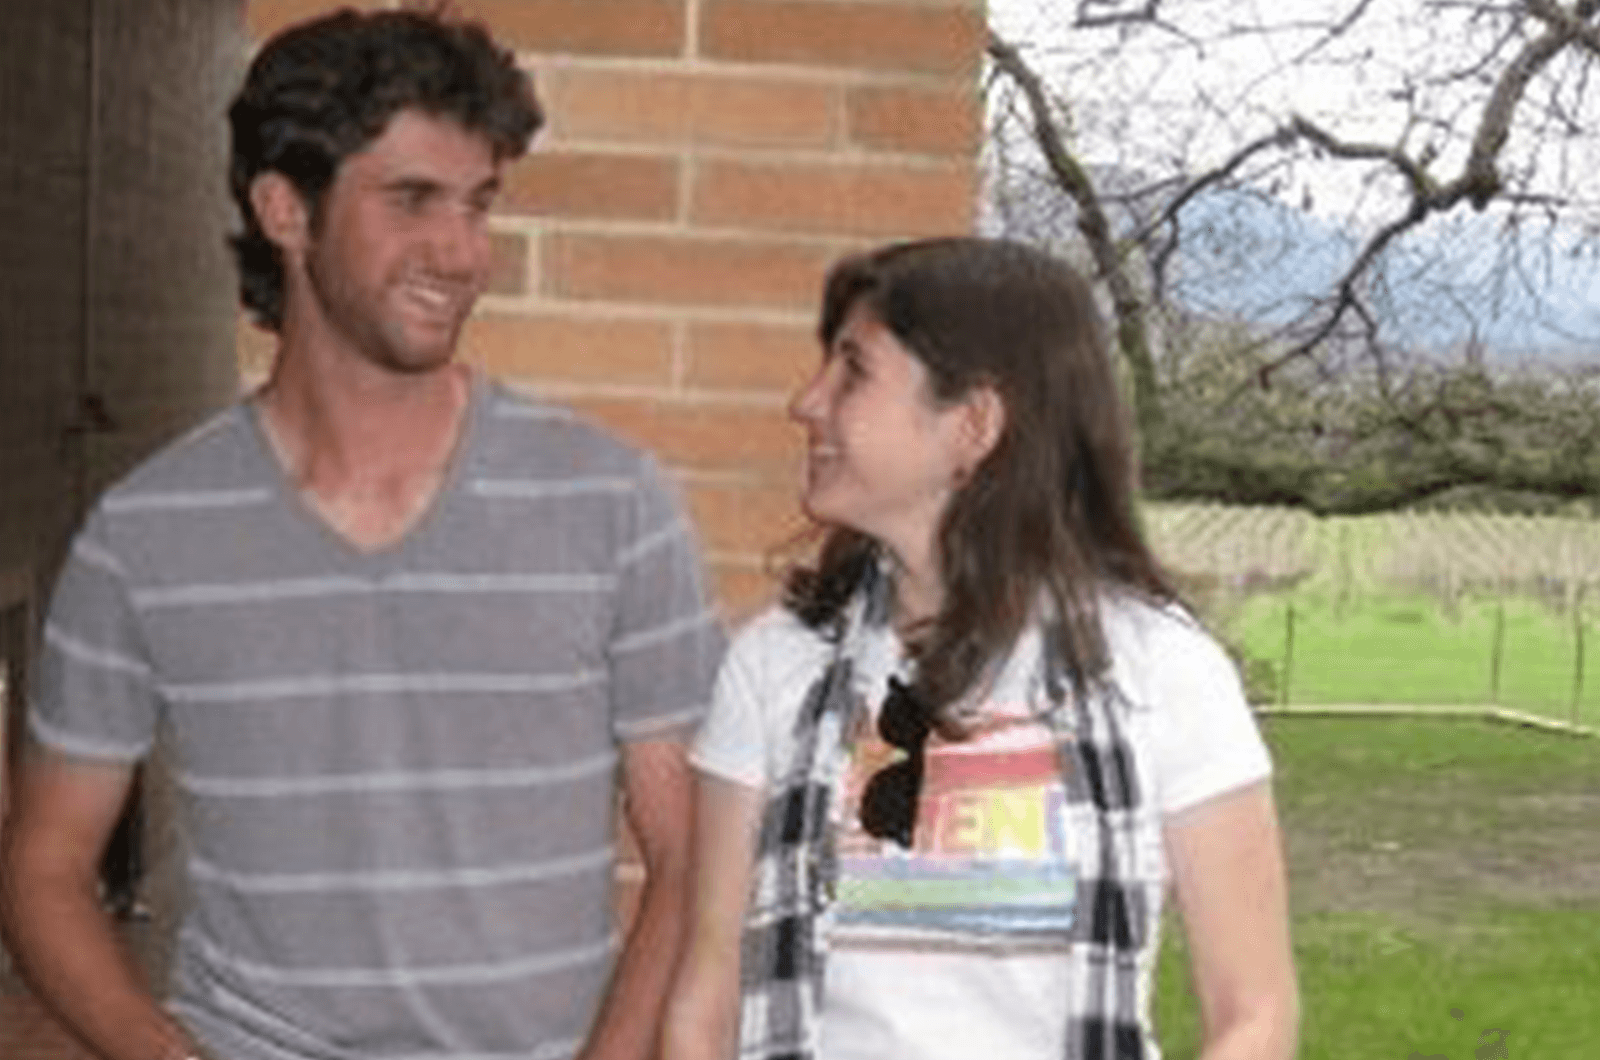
(1132, 334)
(1571, 25)
(1088, 17)
(1490, 108)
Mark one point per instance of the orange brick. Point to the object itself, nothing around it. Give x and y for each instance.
(625, 895)
(572, 350)
(746, 356)
(264, 18)
(555, 183)
(627, 851)
(742, 590)
(857, 35)
(702, 436)
(746, 519)
(587, 27)
(509, 268)
(880, 200)
(590, 27)
(255, 347)
(680, 110)
(900, 119)
(683, 271)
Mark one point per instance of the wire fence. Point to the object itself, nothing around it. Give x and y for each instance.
(1414, 607)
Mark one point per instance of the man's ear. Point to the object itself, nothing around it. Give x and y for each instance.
(281, 211)
(983, 422)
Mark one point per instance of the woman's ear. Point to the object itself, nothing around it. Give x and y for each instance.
(983, 422)
(281, 212)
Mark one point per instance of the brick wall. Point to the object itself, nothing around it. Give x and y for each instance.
(659, 254)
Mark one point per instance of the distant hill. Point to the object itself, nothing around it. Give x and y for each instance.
(1258, 259)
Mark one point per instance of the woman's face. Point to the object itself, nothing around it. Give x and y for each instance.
(883, 457)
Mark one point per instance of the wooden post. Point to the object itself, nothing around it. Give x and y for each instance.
(1577, 653)
(1288, 653)
(1496, 651)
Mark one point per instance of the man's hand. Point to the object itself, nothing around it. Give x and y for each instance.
(656, 787)
(63, 941)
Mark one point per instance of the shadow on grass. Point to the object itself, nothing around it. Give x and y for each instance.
(1435, 866)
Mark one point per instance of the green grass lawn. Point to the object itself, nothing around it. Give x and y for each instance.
(1398, 649)
(1434, 866)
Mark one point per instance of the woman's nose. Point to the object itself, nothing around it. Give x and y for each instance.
(807, 404)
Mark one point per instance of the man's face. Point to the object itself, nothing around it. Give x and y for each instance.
(401, 252)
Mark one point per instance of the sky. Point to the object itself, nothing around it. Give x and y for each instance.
(1144, 97)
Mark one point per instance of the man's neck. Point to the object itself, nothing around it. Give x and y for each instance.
(367, 448)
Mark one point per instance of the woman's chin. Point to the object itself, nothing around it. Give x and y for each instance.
(817, 509)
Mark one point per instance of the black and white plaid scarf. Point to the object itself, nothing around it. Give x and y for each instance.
(783, 950)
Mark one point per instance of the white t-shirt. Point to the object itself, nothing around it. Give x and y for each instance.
(954, 948)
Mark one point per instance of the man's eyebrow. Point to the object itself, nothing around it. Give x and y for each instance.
(411, 183)
(416, 184)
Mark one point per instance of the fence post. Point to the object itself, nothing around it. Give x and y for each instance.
(1577, 661)
(1495, 651)
(1288, 653)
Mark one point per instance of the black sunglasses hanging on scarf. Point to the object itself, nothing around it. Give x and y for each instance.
(889, 803)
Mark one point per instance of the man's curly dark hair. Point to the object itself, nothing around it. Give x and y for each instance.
(325, 89)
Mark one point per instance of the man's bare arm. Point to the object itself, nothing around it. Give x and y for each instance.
(656, 793)
(702, 1021)
(63, 941)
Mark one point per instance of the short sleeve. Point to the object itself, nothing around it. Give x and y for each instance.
(666, 641)
(732, 744)
(1204, 738)
(95, 693)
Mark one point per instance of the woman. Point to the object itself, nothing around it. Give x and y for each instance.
(944, 786)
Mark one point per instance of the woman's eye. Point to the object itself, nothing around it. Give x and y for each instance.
(855, 366)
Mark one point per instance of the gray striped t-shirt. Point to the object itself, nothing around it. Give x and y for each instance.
(396, 768)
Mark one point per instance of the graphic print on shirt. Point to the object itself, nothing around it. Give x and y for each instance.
(992, 863)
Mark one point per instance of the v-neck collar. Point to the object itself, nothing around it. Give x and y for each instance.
(340, 549)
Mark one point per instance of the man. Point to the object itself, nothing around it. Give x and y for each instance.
(401, 628)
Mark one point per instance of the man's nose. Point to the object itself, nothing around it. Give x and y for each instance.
(460, 242)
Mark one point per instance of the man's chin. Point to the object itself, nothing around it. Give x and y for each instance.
(425, 366)
(422, 354)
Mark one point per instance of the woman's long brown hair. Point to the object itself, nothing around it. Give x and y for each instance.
(1050, 509)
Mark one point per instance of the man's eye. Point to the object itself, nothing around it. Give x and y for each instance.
(411, 200)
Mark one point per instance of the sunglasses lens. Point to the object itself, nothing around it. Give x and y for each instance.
(889, 803)
(902, 721)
